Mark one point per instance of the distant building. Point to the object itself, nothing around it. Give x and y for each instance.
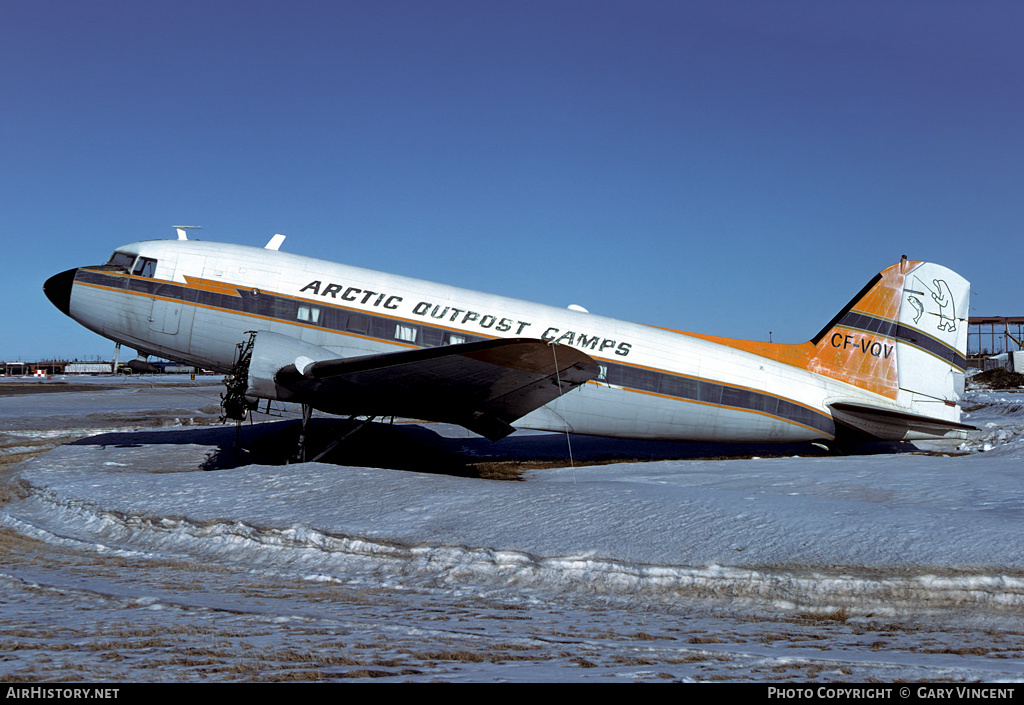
(90, 367)
(995, 341)
(87, 368)
(27, 369)
(991, 335)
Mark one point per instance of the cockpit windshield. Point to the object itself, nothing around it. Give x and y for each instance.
(122, 259)
(133, 264)
(145, 267)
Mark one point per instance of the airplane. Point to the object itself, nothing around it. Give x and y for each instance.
(350, 341)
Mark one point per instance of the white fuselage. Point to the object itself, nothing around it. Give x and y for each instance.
(198, 300)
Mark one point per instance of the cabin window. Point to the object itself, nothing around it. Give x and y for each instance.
(145, 267)
(735, 397)
(125, 260)
(406, 333)
(310, 314)
(456, 339)
(335, 318)
(432, 337)
(602, 375)
(358, 323)
(379, 327)
(678, 387)
(710, 392)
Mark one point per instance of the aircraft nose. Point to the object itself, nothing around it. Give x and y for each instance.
(58, 290)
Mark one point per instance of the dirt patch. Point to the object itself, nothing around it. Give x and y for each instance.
(999, 378)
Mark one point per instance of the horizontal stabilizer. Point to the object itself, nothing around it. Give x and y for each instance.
(892, 425)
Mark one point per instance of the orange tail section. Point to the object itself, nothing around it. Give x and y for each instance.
(859, 345)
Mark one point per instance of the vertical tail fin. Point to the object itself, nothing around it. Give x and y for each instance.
(904, 336)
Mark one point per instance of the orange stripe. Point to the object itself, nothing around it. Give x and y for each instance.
(212, 286)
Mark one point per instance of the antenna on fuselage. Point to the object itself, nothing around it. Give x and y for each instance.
(275, 242)
(182, 235)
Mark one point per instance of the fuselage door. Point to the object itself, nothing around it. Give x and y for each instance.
(165, 315)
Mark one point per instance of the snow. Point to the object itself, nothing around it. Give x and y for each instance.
(890, 565)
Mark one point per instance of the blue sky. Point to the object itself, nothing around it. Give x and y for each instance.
(731, 168)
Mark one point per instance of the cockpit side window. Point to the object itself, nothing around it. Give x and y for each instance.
(145, 267)
(125, 260)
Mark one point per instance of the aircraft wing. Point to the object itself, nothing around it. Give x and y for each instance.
(483, 386)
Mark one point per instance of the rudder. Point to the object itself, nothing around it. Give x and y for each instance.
(931, 341)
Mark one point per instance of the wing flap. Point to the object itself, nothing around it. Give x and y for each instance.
(482, 386)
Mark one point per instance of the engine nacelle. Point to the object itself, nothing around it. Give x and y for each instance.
(254, 374)
(270, 353)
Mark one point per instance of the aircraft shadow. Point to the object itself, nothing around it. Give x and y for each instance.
(440, 448)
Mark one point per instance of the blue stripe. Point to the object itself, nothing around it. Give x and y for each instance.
(904, 334)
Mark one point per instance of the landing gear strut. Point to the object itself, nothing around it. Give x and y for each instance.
(233, 401)
(301, 451)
